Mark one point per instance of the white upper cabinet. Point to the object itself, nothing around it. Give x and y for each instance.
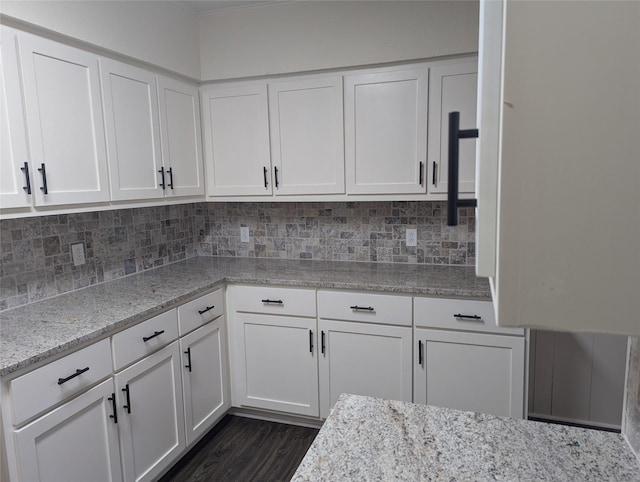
(386, 131)
(15, 181)
(61, 87)
(236, 139)
(307, 146)
(180, 137)
(559, 165)
(133, 133)
(452, 87)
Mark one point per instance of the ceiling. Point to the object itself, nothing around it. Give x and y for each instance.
(210, 6)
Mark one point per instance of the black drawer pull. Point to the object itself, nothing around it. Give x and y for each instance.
(434, 173)
(310, 341)
(322, 345)
(420, 352)
(170, 172)
(77, 373)
(421, 173)
(188, 353)
(264, 173)
(275, 170)
(362, 308)
(468, 317)
(273, 302)
(112, 399)
(43, 170)
(208, 308)
(155, 333)
(25, 169)
(128, 405)
(162, 184)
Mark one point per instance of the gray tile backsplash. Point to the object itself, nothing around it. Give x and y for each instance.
(36, 252)
(632, 407)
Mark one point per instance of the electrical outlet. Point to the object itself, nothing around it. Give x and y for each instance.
(244, 234)
(77, 252)
(412, 237)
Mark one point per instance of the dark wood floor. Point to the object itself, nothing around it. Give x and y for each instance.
(243, 449)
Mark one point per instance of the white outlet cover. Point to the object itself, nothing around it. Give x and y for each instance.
(412, 237)
(77, 252)
(244, 234)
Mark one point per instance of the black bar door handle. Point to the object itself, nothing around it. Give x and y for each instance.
(434, 173)
(188, 353)
(25, 169)
(420, 354)
(310, 341)
(273, 302)
(78, 372)
(322, 345)
(170, 172)
(455, 134)
(155, 333)
(421, 174)
(264, 173)
(128, 405)
(112, 399)
(162, 183)
(362, 308)
(468, 317)
(208, 308)
(43, 171)
(275, 170)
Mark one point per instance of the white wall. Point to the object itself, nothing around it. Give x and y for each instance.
(303, 36)
(160, 33)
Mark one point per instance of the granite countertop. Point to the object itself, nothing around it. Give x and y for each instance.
(36, 332)
(366, 439)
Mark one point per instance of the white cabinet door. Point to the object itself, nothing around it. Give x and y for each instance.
(15, 180)
(363, 359)
(386, 131)
(307, 143)
(133, 135)
(180, 136)
(470, 371)
(204, 375)
(280, 364)
(151, 414)
(235, 121)
(452, 87)
(76, 441)
(64, 122)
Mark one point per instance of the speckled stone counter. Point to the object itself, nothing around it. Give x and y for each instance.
(36, 332)
(367, 439)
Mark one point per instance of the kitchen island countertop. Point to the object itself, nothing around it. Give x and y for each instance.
(39, 331)
(367, 439)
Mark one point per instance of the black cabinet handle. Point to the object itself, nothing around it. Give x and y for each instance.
(273, 302)
(170, 172)
(112, 399)
(322, 345)
(188, 353)
(25, 169)
(420, 352)
(78, 372)
(208, 308)
(421, 174)
(453, 203)
(155, 333)
(362, 308)
(43, 171)
(468, 317)
(434, 173)
(264, 173)
(275, 170)
(310, 341)
(162, 184)
(128, 405)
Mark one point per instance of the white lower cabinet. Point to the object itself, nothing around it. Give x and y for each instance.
(77, 441)
(279, 364)
(151, 414)
(363, 359)
(204, 377)
(470, 371)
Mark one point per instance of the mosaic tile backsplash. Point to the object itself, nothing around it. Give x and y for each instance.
(36, 258)
(632, 410)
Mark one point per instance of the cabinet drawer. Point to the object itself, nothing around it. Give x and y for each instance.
(140, 340)
(42, 388)
(371, 308)
(476, 315)
(196, 313)
(274, 301)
